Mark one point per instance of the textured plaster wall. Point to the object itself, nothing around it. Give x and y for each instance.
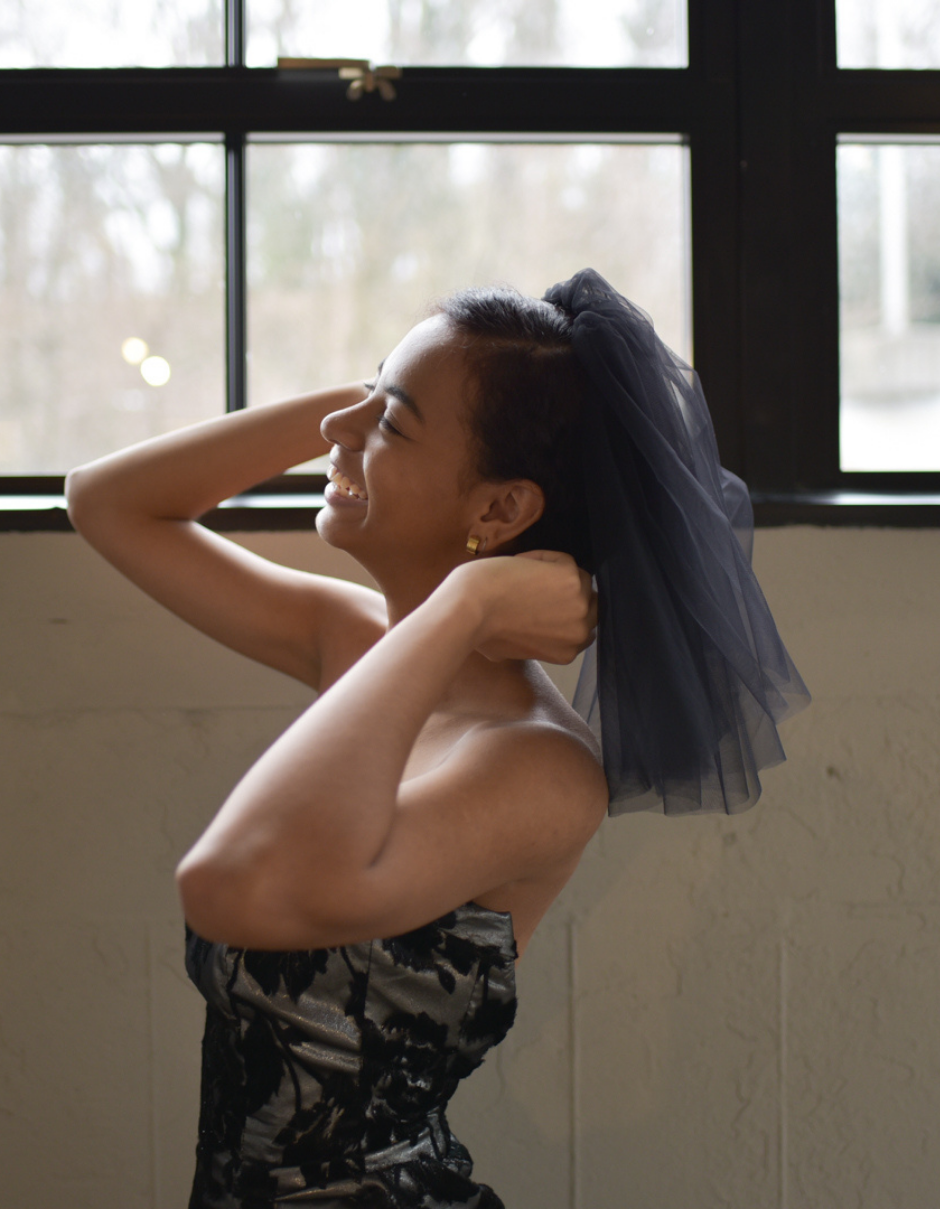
(717, 1012)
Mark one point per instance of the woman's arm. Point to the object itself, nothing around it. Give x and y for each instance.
(139, 509)
(316, 845)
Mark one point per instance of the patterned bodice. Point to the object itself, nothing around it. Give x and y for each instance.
(326, 1073)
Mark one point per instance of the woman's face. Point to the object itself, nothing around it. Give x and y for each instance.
(401, 496)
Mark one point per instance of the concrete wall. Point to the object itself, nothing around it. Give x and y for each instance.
(717, 1012)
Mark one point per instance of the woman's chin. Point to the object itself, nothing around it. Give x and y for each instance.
(327, 528)
(336, 526)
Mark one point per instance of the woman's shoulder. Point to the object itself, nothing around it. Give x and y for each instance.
(567, 757)
(559, 757)
(557, 717)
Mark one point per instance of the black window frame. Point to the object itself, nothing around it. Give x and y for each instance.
(761, 106)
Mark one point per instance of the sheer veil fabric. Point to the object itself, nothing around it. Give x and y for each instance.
(688, 678)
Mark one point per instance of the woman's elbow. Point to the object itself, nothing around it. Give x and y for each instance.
(88, 503)
(203, 895)
(228, 905)
(76, 494)
(253, 909)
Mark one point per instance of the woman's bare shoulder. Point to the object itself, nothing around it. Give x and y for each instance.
(554, 711)
(569, 759)
(555, 762)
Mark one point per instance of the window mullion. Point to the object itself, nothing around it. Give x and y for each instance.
(715, 220)
(236, 287)
(235, 33)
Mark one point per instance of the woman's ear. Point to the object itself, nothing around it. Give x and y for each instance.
(508, 509)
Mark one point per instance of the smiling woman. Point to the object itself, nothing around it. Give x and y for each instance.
(439, 792)
(402, 450)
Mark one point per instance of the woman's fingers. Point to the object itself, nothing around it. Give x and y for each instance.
(547, 556)
(588, 586)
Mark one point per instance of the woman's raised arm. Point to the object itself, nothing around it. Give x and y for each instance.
(323, 843)
(139, 509)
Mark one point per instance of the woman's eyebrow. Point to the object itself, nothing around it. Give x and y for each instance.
(399, 393)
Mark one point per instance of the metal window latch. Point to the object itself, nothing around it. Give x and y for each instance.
(363, 77)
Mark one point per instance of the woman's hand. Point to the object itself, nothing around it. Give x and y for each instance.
(536, 605)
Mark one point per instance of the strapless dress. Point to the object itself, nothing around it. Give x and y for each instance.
(326, 1073)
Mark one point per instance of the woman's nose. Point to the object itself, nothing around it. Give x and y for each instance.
(343, 427)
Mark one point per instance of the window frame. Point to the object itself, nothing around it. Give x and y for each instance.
(795, 104)
(760, 105)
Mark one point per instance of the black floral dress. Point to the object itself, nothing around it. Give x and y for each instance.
(325, 1074)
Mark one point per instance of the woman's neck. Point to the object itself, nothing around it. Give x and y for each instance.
(405, 592)
(481, 685)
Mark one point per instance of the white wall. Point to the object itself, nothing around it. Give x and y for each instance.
(717, 1012)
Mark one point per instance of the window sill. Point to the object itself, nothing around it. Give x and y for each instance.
(241, 514)
(283, 511)
(848, 509)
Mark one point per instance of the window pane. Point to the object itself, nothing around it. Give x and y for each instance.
(889, 272)
(888, 33)
(111, 33)
(110, 279)
(485, 33)
(349, 243)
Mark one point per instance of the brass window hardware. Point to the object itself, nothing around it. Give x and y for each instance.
(362, 75)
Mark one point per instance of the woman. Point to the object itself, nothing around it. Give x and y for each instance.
(441, 792)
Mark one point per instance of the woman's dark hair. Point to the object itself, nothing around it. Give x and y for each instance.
(525, 414)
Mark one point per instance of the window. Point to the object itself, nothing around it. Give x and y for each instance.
(348, 242)
(113, 313)
(888, 183)
(889, 289)
(811, 409)
(724, 163)
(888, 33)
(474, 33)
(112, 33)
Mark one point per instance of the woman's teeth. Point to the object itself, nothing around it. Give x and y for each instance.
(346, 485)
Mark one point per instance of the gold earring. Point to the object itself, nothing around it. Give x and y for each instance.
(476, 545)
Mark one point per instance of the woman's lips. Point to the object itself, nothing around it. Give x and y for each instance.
(345, 488)
(341, 499)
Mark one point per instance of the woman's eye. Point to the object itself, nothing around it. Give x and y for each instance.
(385, 423)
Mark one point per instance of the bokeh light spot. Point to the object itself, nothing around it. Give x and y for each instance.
(133, 350)
(155, 370)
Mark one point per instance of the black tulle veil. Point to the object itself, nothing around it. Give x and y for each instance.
(688, 678)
